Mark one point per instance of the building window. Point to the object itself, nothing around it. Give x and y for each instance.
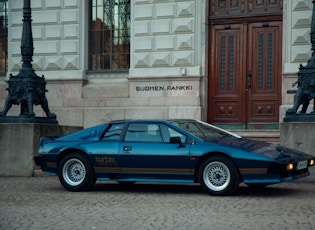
(109, 35)
(3, 36)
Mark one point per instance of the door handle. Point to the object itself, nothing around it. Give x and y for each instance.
(248, 80)
(127, 148)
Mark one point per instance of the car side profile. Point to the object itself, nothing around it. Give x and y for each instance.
(188, 151)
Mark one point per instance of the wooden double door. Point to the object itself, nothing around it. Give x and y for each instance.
(245, 66)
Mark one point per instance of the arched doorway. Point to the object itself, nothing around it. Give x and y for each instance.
(245, 63)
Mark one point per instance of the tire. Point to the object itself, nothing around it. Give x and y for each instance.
(76, 173)
(218, 176)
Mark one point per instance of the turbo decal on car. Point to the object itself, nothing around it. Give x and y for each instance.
(106, 161)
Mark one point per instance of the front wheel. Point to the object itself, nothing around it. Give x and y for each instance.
(76, 173)
(218, 176)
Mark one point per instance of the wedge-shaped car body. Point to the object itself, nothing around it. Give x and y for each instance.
(188, 151)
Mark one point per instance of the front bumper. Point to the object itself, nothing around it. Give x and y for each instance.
(274, 178)
(39, 161)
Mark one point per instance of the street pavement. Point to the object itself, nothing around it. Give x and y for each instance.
(42, 203)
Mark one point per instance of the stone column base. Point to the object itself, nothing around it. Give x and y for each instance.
(19, 142)
(299, 136)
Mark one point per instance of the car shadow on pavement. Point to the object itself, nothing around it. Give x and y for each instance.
(268, 191)
(159, 188)
(148, 188)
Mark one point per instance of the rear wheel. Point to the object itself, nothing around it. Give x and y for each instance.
(76, 173)
(218, 176)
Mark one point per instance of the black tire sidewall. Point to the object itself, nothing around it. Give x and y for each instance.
(89, 180)
(234, 181)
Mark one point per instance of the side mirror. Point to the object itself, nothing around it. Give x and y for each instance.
(176, 140)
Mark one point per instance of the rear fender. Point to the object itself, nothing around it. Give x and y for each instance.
(68, 151)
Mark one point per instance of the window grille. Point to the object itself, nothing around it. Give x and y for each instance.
(109, 35)
(3, 36)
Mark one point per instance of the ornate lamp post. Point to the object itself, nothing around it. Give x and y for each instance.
(305, 84)
(27, 89)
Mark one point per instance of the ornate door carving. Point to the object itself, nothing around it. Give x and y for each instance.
(245, 61)
(244, 8)
(264, 72)
(227, 85)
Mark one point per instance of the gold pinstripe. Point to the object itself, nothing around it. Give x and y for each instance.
(253, 170)
(142, 170)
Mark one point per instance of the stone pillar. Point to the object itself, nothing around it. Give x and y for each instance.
(19, 142)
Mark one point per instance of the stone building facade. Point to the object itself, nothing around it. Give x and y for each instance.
(169, 52)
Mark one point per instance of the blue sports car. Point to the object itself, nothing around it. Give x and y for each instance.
(187, 151)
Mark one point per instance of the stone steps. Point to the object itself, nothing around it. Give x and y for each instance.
(268, 135)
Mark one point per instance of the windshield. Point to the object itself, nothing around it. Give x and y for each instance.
(202, 130)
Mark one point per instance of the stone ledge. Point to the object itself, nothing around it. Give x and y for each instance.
(28, 120)
(308, 117)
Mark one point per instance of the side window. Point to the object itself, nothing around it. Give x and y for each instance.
(113, 133)
(143, 133)
(168, 132)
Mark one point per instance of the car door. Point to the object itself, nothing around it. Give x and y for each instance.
(104, 155)
(148, 152)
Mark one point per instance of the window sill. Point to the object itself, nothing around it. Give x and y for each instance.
(107, 71)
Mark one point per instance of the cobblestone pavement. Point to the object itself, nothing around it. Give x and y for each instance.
(42, 203)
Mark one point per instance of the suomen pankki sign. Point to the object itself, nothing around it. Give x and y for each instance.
(162, 88)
